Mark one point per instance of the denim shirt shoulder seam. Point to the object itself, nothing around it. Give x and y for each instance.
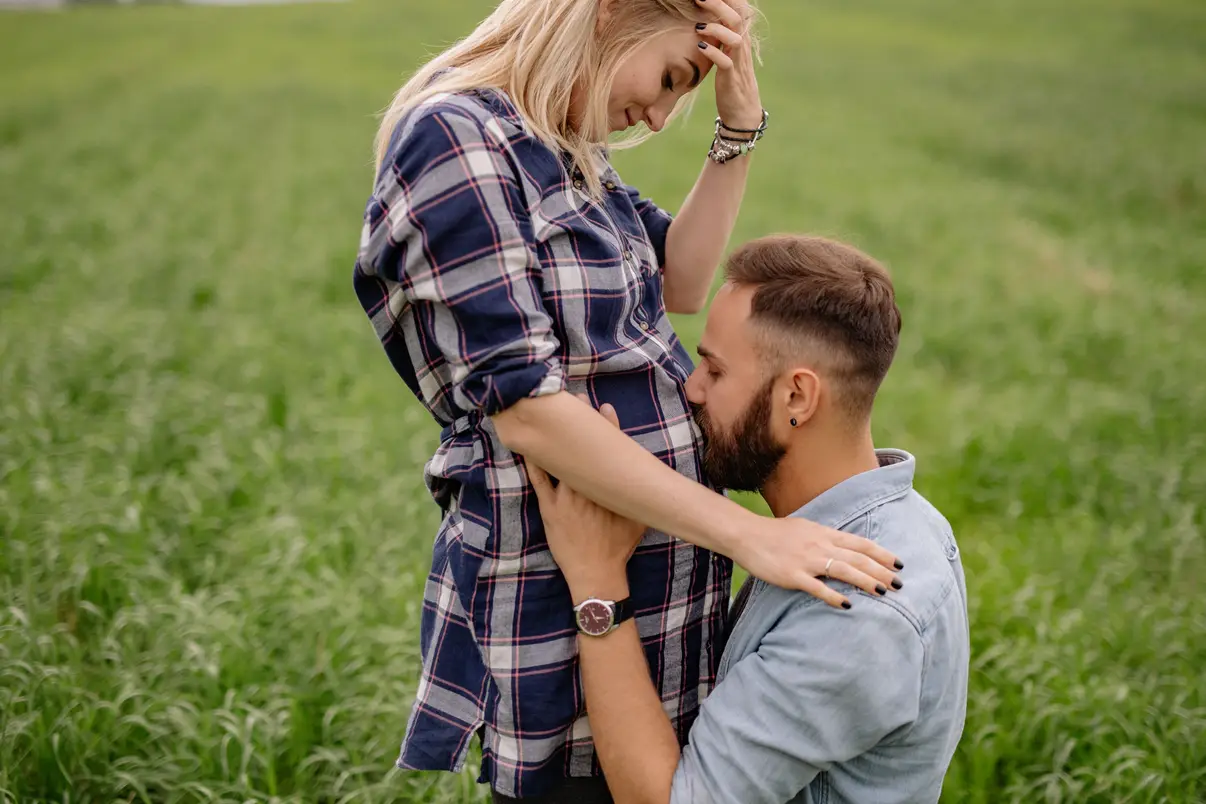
(918, 625)
(943, 593)
(803, 599)
(872, 504)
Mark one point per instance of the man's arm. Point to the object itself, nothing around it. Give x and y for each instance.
(823, 687)
(633, 736)
(636, 743)
(592, 545)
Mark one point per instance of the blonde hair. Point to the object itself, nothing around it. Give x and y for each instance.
(538, 51)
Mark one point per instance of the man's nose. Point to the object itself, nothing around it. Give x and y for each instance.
(694, 393)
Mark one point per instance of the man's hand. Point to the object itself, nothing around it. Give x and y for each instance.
(591, 544)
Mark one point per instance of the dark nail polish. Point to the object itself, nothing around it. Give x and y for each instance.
(896, 584)
(703, 45)
(701, 26)
(899, 565)
(846, 605)
(880, 589)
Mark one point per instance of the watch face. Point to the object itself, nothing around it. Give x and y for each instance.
(594, 618)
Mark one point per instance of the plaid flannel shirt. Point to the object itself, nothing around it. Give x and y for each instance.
(490, 276)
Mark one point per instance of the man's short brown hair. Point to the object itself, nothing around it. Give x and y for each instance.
(823, 300)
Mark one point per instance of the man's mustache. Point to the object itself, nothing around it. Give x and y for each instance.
(704, 423)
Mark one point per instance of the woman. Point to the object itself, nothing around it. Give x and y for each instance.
(507, 270)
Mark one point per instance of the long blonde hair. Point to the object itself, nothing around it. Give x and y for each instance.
(538, 51)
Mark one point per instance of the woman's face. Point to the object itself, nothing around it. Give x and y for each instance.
(653, 79)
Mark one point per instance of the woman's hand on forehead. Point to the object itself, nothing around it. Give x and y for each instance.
(727, 44)
(732, 14)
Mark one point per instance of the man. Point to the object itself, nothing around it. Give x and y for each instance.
(813, 703)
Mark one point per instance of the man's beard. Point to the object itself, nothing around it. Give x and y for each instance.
(744, 457)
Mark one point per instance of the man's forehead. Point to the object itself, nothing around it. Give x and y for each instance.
(726, 333)
(731, 304)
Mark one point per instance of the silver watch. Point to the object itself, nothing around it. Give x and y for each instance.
(596, 618)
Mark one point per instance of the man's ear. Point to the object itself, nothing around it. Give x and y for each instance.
(803, 396)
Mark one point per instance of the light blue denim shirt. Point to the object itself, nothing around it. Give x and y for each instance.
(816, 704)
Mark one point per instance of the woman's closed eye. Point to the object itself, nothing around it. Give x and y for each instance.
(668, 81)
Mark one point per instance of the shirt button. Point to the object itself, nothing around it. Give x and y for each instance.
(577, 185)
(644, 325)
(611, 186)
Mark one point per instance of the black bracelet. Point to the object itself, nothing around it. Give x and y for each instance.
(761, 129)
(725, 148)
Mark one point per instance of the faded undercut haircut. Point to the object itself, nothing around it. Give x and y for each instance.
(825, 302)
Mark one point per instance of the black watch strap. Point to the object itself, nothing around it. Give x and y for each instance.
(622, 611)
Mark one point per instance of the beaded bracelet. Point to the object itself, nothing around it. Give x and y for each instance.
(725, 148)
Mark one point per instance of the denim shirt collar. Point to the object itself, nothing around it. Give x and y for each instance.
(857, 495)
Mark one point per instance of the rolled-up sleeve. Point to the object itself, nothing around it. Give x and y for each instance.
(448, 231)
(824, 686)
(656, 221)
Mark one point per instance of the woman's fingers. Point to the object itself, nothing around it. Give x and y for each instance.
(726, 36)
(886, 578)
(820, 590)
(841, 571)
(723, 11)
(718, 56)
(800, 554)
(858, 544)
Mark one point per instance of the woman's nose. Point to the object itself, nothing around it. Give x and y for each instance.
(655, 118)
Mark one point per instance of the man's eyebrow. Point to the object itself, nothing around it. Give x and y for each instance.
(708, 354)
(695, 74)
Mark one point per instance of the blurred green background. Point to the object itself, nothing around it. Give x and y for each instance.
(214, 527)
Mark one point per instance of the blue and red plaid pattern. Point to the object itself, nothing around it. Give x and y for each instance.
(491, 276)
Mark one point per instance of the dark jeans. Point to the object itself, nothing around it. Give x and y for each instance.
(572, 791)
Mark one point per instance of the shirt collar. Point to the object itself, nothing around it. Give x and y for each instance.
(856, 495)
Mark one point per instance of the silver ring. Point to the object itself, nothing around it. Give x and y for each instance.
(828, 564)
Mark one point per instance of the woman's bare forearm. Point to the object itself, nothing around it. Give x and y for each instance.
(572, 442)
(700, 233)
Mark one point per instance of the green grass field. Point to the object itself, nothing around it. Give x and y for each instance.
(214, 527)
